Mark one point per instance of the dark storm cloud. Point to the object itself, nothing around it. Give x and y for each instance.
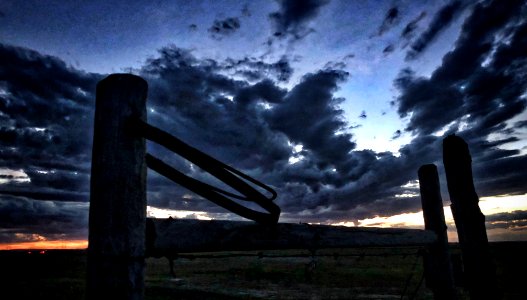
(478, 86)
(515, 220)
(503, 175)
(463, 85)
(45, 194)
(520, 124)
(46, 110)
(392, 17)
(293, 17)
(220, 115)
(310, 116)
(23, 219)
(46, 124)
(256, 127)
(516, 215)
(295, 139)
(371, 186)
(444, 17)
(226, 27)
(416, 97)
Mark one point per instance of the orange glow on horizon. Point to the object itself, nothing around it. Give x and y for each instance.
(47, 245)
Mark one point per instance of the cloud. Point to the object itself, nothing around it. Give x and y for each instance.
(46, 120)
(397, 134)
(476, 90)
(370, 185)
(222, 28)
(464, 84)
(309, 115)
(429, 103)
(253, 69)
(516, 215)
(410, 28)
(218, 114)
(388, 49)
(293, 138)
(363, 115)
(296, 139)
(444, 17)
(509, 220)
(293, 17)
(45, 193)
(520, 124)
(22, 219)
(391, 19)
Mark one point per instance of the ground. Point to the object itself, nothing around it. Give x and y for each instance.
(368, 273)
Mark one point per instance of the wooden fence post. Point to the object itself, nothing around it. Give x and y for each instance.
(470, 222)
(437, 264)
(117, 218)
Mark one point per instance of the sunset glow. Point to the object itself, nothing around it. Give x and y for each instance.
(488, 206)
(48, 245)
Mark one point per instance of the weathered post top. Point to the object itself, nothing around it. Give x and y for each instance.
(116, 242)
(431, 198)
(458, 168)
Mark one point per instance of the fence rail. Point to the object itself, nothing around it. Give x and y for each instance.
(168, 236)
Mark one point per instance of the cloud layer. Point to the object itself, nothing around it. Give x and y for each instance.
(291, 135)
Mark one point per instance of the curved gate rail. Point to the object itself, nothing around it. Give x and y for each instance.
(223, 172)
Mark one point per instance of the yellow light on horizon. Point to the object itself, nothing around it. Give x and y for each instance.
(500, 204)
(401, 220)
(488, 206)
(46, 245)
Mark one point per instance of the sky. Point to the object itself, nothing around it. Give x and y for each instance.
(335, 104)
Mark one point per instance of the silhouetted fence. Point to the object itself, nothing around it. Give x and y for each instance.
(120, 235)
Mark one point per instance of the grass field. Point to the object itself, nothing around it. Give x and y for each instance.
(380, 273)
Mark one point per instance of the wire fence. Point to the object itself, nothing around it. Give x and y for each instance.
(407, 292)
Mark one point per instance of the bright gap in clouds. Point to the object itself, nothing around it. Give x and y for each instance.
(520, 133)
(375, 129)
(297, 156)
(163, 213)
(9, 175)
(488, 206)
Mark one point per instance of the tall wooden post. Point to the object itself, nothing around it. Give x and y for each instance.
(117, 219)
(470, 222)
(437, 264)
